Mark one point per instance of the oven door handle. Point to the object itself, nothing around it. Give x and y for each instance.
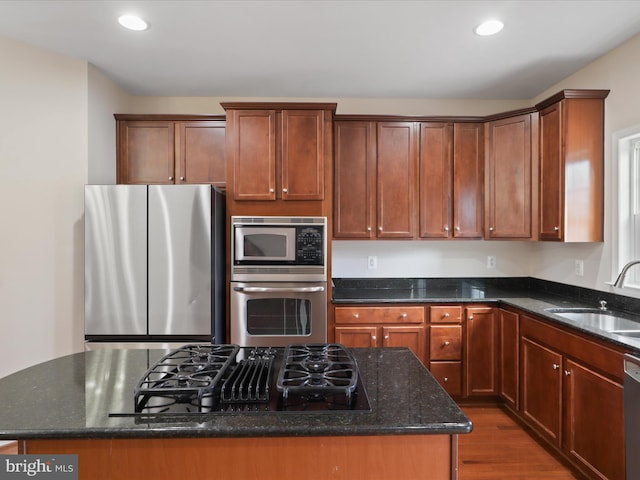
(279, 289)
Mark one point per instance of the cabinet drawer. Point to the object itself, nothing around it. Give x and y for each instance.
(368, 315)
(445, 342)
(449, 375)
(445, 314)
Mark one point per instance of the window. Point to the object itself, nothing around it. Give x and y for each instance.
(628, 193)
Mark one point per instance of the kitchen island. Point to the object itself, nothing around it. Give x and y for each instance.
(82, 403)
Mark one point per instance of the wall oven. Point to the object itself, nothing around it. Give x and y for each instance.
(278, 281)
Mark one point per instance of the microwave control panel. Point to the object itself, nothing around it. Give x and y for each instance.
(310, 245)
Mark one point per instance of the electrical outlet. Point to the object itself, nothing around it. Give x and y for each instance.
(579, 268)
(491, 261)
(372, 261)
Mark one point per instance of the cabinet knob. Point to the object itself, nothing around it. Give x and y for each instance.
(457, 229)
(171, 179)
(556, 366)
(555, 229)
(491, 229)
(271, 190)
(182, 179)
(373, 337)
(446, 315)
(386, 337)
(404, 315)
(356, 315)
(446, 229)
(446, 343)
(446, 379)
(368, 229)
(380, 228)
(285, 190)
(567, 373)
(470, 317)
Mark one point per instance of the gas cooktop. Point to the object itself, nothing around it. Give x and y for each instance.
(228, 379)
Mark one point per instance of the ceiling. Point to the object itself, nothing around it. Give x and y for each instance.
(328, 49)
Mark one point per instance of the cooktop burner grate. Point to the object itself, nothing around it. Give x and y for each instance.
(250, 380)
(188, 375)
(317, 371)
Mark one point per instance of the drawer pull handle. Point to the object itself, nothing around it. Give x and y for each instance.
(404, 315)
(356, 315)
(446, 343)
(446, 315)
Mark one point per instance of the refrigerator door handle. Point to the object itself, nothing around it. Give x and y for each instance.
(279, 290)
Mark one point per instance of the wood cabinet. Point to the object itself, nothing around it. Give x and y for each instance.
(451, 180)
(571, 147)
(161, 149)
(278, 152)
(445, 346)
(354, 205)
(572, 395)
(375, 179)
(510, 178)
(481, 352)
(509, 358)
(381, 326)
(468, 179)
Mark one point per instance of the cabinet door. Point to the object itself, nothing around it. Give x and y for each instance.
(481, 352)
(541, 399)
(357, 337)
(146, 152)
(435, 179)
(354, 180)
(594, 422)
(396, 185)
(251, 146)
(200, 151)
(509, 358)
(509, 173)
(551, 173)
(411, 336)
(302, 154)
(468, 179)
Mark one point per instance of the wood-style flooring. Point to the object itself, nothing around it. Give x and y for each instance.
(500, 448)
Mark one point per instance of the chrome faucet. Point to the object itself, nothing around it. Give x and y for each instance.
(620, 280)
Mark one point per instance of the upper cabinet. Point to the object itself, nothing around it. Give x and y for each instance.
(278, 152)
(375, 165)
(571, 144)
(511, 177)
(451, 180)
(164, 149)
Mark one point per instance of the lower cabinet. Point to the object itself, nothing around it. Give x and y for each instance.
(572, 395)
(445, 346)
(374, 326)
(480, 352)
(509, 357)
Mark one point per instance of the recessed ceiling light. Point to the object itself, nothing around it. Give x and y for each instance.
(490, 27)
(133, 22)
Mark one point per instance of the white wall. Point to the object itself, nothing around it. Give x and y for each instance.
(105, 99)
(43, 156)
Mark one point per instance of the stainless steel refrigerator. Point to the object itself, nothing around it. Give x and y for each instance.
(154, 263)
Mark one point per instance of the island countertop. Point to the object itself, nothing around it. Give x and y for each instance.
(76, 396)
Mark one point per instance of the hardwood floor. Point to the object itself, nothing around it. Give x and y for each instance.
(500, 448)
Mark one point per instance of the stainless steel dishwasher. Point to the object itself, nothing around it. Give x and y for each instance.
(632, 415)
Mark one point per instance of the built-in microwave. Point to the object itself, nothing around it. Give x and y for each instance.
(278, 248)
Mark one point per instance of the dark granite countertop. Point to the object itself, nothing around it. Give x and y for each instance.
(527, 294)
(73, 397)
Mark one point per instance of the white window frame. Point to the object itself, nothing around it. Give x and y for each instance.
(626, 198)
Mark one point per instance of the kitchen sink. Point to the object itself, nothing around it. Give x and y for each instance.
(606, 320)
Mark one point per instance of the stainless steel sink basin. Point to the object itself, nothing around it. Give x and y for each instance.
(606, 320)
